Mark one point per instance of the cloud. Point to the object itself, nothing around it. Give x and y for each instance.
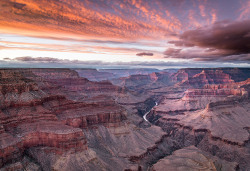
(245, 11)
(18, 5)
(99, 19)
(118, 27)
(92, 46)
(214, 16)
(181, 43)
(221, 41)
(172, 52)
(48, 62)
(202, 10)
(37, 59)
(145, 54)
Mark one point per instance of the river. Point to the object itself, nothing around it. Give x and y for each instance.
(145, 115)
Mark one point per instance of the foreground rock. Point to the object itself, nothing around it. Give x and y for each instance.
(191, 158)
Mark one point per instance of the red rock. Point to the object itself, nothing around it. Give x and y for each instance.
(207, 77)
(144, 81)
(10, 148)
(59, 73)
(25, 120)
(86, 114)
(52, 134)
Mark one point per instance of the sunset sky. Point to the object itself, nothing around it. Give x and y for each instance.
(125, 33)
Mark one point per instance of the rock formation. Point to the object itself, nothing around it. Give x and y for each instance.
(94, 75)
(207, 77)
(213, 117)
(191, 158)
(55, 119)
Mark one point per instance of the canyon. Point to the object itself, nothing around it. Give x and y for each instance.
(128, 119)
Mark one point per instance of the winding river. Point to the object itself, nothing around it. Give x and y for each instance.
(145, 115)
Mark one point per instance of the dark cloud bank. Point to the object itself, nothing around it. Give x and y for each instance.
(223, 41)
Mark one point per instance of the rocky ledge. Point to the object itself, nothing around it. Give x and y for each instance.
(191, 158)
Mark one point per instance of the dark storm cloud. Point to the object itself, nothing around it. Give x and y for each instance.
(223, 41)
(228, 38)
(145, 54)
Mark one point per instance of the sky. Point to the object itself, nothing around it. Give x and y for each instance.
(125, 33)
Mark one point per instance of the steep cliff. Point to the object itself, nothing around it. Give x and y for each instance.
(207, 77)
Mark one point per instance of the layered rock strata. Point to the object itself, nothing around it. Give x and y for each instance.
(191, 158)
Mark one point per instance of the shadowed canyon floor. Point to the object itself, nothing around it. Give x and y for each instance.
(87, 119)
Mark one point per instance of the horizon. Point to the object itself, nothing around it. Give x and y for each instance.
(99, 69)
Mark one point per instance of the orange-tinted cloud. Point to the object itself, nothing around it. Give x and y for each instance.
(213, 16)
(85, 18)
(74, 48)
(120, 19)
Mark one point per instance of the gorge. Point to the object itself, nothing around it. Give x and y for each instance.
(54, 119)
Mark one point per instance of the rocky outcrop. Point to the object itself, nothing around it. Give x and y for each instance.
(218, 117)
(27, 122)
(237, 74)
(52, 134)
(27, 126)
(207, 77)
(10, 148)
(194, 99)
(83, 115)
(115, 145)
(85, 86)
(185, 74)
(212, 93)
(214, 118)
(141, 82)
(15, 88)
(75, 87)
(58, 73)
(132, 81)
(221, 124)
(181, 75)
(191, 158)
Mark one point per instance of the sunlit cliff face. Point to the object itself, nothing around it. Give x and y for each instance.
(194, 32)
